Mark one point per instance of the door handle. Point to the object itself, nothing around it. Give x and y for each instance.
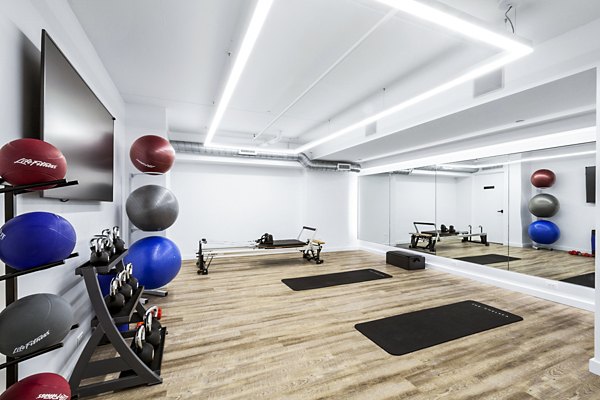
(500, 211)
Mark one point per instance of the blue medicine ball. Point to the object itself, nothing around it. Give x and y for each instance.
(543, 232)
(156, 261)
(36, 238)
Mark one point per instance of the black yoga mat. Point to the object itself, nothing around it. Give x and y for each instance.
(338, 278)
(583, 280)
(418, 330)
(488, 259)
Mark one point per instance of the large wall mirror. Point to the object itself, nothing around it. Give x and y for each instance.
(531, 213)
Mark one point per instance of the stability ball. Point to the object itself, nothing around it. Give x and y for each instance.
(152, 154)
(543, 232)
(156, 261)
(543, 178)
(152, 208)
(33, 323)
(36, 238)
(46, 385)
(26, 161)
(544, 205)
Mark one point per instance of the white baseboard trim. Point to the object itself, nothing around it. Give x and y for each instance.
(594, 366)
(559, 292)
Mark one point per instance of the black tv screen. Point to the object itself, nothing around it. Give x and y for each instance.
(76, 122)
(590, 184)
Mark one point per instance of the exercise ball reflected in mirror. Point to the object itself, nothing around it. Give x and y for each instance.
(543, 232)
(543, 178)
(544, 205)
(152, 208)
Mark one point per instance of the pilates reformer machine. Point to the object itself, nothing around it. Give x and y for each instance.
(305, 243)
(431, 237)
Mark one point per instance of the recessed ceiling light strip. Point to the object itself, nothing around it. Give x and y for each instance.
(261, 11)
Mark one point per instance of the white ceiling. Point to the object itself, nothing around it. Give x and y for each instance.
(175, 54)
(566, 97)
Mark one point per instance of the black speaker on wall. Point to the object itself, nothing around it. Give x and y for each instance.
(590, 184)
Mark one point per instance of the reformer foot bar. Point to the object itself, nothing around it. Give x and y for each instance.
(310, 248)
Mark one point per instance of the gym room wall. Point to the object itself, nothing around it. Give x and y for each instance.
(21, 22)
(238, 203)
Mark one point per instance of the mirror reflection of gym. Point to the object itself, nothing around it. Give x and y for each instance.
(554, 207)
(471, 211)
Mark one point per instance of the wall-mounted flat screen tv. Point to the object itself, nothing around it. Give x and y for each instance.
(590, 184)
(75, 121)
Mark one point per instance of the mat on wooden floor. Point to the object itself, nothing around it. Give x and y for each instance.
(583, 280)
(335, 279)
(405, 333)
(487, 259)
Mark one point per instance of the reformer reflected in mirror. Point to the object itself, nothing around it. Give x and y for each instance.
(472, 211)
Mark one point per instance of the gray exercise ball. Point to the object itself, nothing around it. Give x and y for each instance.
(33, 323)
(544, 205)
(152, 208)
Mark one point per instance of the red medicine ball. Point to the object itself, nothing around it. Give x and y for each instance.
(543, 178)
(26, 161)
(39, 386)
(152, 154)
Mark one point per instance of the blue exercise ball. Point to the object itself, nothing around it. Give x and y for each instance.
(37, 238)
(156, 261)
(543, 232)
(104, 282)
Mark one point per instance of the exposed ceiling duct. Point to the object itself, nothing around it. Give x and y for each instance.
(323, 165)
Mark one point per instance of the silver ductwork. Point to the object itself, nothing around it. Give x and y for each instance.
(323, 165)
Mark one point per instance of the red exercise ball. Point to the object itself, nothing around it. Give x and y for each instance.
(152, 154)
(543, 178)
(39, 386)
(26, 161)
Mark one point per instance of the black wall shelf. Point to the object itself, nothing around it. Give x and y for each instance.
(10, 274)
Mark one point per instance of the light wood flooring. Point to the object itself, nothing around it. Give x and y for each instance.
(239, 333)
(550, 264)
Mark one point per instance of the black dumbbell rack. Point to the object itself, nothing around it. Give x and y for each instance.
(133, 372)
(10, 211)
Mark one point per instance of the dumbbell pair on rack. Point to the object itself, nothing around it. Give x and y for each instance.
(148, 336)
(121, 290)
(106, 245)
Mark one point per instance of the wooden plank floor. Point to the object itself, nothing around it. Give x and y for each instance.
(239, 333)
(555, 264)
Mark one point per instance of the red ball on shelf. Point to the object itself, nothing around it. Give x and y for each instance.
(39, 386)
(27, 161)
(543, 178)
(152, 154)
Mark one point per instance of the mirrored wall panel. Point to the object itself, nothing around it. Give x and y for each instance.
(552, 213)
(472, 211)
(531, 213)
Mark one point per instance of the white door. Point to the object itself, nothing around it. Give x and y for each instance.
(488, 205)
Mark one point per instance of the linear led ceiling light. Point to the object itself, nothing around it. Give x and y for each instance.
(511, 50)
(256, 23)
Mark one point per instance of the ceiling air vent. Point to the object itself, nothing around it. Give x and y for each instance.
(371, 129)
(247, 152)
(344, 167)
(488, 83)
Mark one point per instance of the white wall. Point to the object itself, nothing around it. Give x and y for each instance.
(238, 203)
(412, 199)
(374, 208)
(21, 22)
(575, 217)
